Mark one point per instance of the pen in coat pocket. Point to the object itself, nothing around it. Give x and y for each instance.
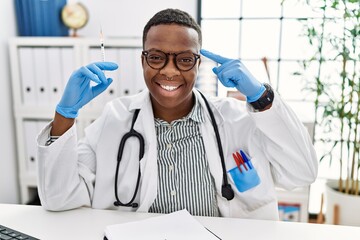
(246, 159)
(239, 161)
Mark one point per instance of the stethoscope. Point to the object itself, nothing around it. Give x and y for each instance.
(226, 190)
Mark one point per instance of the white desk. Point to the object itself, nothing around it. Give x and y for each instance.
(85, 223)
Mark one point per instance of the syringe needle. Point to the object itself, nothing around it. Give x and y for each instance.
(102, 45)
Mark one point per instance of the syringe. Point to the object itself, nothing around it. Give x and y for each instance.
(102, 45)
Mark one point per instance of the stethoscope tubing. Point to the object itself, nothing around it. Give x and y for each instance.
(226, 190)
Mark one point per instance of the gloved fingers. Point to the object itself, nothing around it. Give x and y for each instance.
(99, 67)
(229, 76)
(231, 64)
(107, 66)
(88, 74)
(96, 90)
(226, 81)
(98, 72)
(214, 57)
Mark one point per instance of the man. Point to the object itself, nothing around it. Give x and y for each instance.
(171, 158)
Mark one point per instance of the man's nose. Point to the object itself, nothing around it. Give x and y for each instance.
(170, 69)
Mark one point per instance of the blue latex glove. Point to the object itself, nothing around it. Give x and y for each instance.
(78, 90)
(232, 73)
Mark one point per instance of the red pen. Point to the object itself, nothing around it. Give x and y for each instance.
(237, 161)
(241, 160)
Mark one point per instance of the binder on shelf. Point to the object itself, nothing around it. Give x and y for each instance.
(57, 26)
(126, 71)
(29, 13)
(95, 56)
(67, 63)
(56, 86)
(113, 90)
(44, 17)
(41, 75)
(139, 76)
(30, 133)
(36, 14)
(40, 17)
(27, 76)
(20, 18)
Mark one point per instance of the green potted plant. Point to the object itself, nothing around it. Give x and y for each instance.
(335, 89)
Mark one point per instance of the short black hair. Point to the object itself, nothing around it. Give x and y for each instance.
(172, 16)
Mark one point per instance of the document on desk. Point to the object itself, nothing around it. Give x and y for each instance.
(178, 225)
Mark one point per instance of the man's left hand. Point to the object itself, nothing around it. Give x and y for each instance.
(233, 73)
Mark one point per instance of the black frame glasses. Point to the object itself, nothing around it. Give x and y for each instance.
(157, 59)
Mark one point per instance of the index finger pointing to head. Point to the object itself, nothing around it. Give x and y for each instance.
(213, 56)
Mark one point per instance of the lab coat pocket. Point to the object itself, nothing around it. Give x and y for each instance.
(244, 175)
(244, 179)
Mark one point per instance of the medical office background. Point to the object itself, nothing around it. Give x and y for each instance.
(265, 34)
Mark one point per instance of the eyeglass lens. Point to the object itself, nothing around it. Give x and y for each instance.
(184, 61)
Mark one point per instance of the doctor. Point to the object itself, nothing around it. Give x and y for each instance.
(175, 160)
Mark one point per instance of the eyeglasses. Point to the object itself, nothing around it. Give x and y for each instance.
(184, 61)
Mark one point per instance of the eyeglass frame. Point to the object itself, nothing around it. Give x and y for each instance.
(146, 52)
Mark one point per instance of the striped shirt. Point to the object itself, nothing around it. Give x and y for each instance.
(184, 178)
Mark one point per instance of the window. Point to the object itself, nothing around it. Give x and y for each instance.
(270, 32)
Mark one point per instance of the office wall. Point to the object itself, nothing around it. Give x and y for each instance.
(8, 178)
(118, 18)
(126, 18)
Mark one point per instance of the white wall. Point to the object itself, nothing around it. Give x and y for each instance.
(9, 192)
(126, 18)
(118, 18)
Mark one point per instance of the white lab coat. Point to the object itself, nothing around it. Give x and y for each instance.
(71, 175)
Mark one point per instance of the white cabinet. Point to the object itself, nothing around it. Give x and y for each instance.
(40, 68)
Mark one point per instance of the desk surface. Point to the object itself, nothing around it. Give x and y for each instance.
(86, 223)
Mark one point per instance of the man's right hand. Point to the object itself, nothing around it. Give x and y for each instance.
(78, 90)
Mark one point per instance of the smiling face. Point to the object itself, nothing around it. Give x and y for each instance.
(170, 88)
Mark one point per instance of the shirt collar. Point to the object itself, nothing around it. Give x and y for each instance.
(196, 114)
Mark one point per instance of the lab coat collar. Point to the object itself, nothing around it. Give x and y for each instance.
(143, 98)
(218, 116)
(140, 100)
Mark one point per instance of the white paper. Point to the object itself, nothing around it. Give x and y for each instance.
(178, 225)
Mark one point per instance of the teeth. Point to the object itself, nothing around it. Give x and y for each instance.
(168, 88)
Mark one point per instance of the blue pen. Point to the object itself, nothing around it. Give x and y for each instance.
(246, 159)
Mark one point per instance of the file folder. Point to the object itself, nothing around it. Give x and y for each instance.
(112, 91)
(40, 17)
(30, 133)
(42, 79)
(27, 75)
(95, 56)
(56, 86)
(139, 75)
(67, 63)
(126, 71)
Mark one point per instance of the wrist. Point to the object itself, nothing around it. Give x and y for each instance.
(60, 125)
(256, 96)
(66, 112)
(265, 101)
